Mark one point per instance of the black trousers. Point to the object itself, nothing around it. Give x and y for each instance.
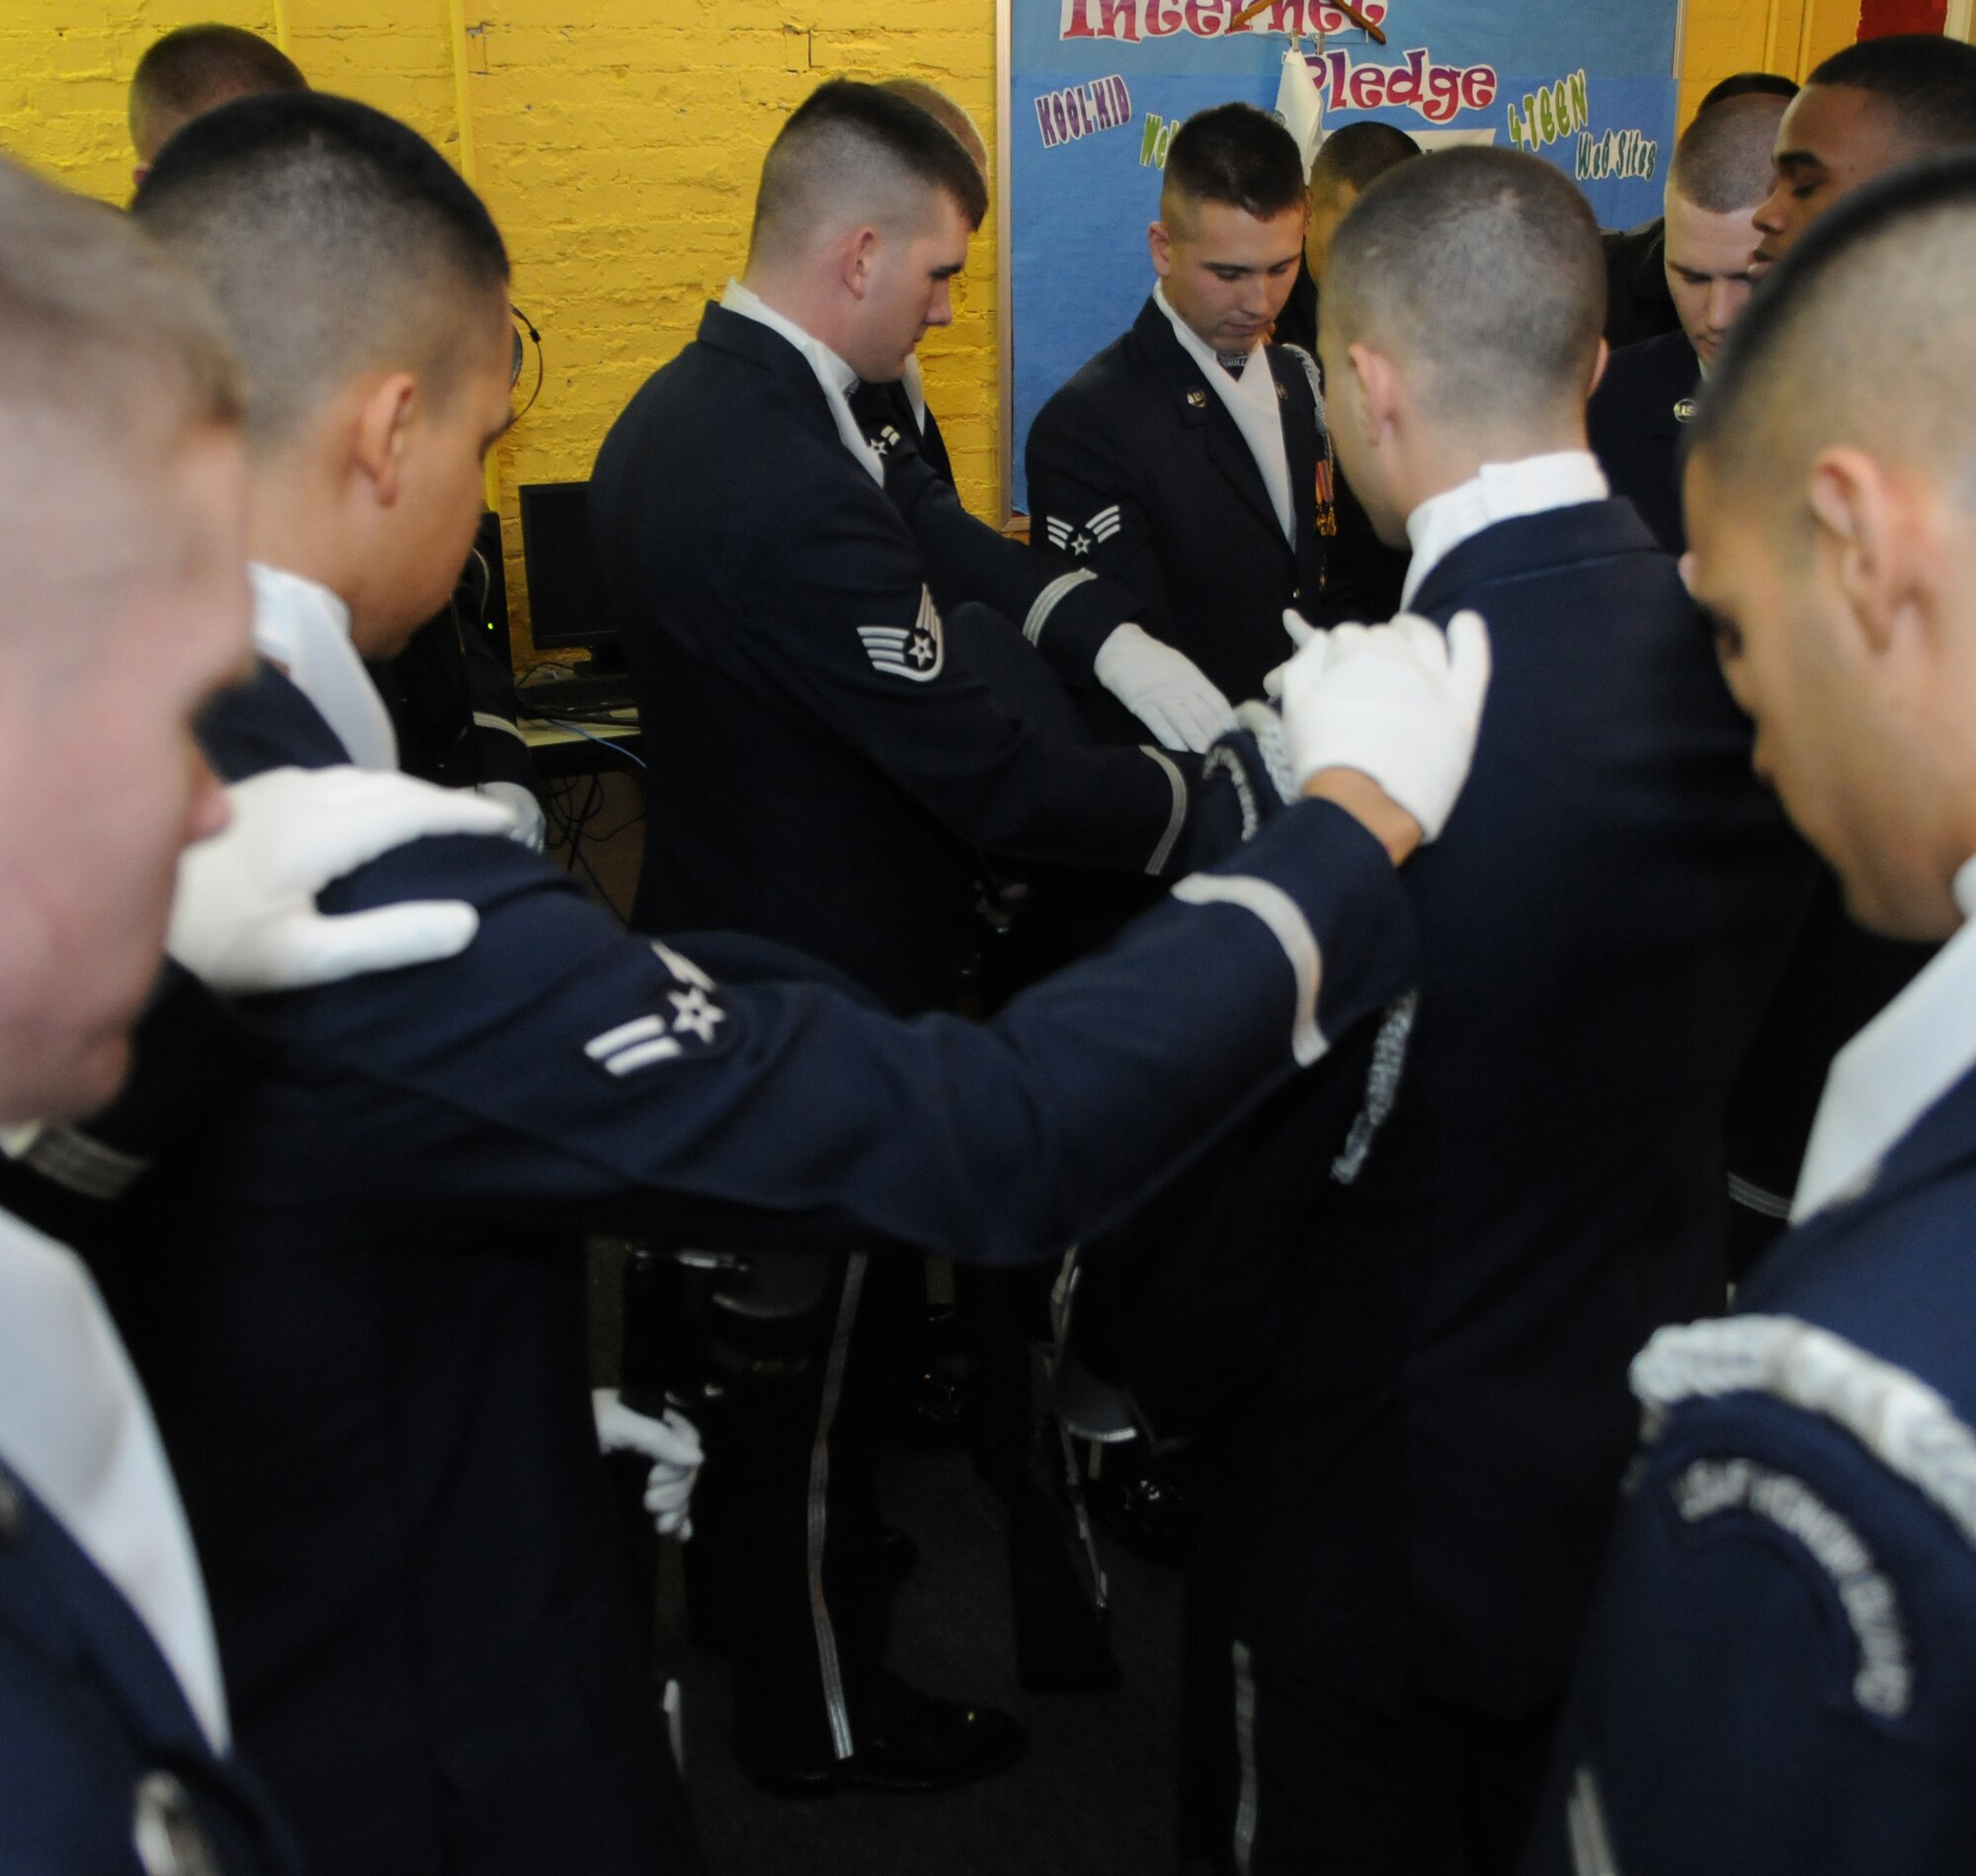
(784, 1566)
(1279, 1774)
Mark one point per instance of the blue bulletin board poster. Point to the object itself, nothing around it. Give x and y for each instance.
(1094, 90)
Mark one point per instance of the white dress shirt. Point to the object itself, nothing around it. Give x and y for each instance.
(1895, 1069)
(836, 378)
(1496, 492)
(306, 630)
(914, 389)
(1251, 401)
(75, 1425)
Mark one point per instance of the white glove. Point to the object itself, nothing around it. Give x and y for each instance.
(1301, 632)
(1402, 704)
(673, 1446)
(530, 827)
(244, 917)
(1163, 688)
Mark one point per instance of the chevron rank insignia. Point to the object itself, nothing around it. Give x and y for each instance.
(1074, 538)
(916, 651)
(687, 1020)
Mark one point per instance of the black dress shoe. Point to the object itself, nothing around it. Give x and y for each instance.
(909, 1742)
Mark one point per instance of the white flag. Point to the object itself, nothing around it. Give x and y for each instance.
(1299, 105)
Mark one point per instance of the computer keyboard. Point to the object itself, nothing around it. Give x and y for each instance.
(586, 693)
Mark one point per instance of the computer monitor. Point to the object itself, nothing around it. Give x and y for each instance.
(567, 609)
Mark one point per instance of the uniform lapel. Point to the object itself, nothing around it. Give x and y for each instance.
(1300, 441)
(1677, 382)
(87, 1616)
(1201, 408)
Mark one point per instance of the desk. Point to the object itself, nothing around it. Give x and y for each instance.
(561, 749)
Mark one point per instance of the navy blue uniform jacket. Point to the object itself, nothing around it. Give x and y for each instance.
(1415, 1485)
(1136, 468)
(830, 761)
(94, 1727)
(357, 1302)
(1635, 425)
(1781, 1678)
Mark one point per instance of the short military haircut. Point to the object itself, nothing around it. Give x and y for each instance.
(1864, 334)
(334, 240)
(184, 74)
(857, 153)
(1927, 83)
(943, 112)
(1722, 162)
(104, 333)
(1483, 270)
(1748, 85)
(1238, 156)
(1357, 154)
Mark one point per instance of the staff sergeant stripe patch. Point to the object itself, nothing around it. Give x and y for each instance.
(916, 651)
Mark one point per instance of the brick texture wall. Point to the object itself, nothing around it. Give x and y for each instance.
(617, 144)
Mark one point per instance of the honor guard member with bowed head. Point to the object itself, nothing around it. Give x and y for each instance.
(121, 553)
(881, 405)
(838, 757)
(1188, 460)
(1361, 574)
(1868, 110)
(450, 693)
(1638, 304)
(193, 69)
(1782, 1673)
(966, 559)
(353, 1295)
(1720, 175)
(1406, 1482)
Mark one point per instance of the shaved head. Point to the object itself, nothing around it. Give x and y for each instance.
(856, 155)
(1356, 156)
(105, 335)
(1924, 84)
(197, 68)
(1831, 493)
(1235, 155)
(1481, 271)
(1748, 85)
(335, 241)
(1722, 162)
(943, 112)
(1895, 372)
(122, 605)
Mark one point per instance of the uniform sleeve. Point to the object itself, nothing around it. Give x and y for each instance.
(1063, 608)
(1782, 1673)
(841, 622)
(1084, 503)
(562, 1071)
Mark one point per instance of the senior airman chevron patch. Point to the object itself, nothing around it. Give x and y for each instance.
(1070, 537)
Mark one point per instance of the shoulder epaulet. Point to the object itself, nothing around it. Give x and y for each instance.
(1903, 1423)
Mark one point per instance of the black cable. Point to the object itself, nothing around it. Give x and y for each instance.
(536, 338)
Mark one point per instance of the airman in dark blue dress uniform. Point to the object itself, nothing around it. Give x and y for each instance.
(1782, 1673)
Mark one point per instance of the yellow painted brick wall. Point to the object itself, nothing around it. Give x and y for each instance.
(1779, 36)
(617, 143)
